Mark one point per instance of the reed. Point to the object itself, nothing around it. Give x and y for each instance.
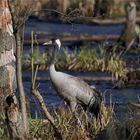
(86, 59)
(77, 125)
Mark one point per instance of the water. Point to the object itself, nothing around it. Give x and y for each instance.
(57, 29)
(75, 29)
(120, 97)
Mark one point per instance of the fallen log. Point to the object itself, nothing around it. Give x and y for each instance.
(102, 21)
(91, 20)
(104, 78)
(112, 21)
(98, 21)
(71, 38)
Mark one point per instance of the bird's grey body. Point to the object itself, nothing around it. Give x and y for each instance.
(74, 90)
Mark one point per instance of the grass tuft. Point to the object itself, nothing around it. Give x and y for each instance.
(78, 125)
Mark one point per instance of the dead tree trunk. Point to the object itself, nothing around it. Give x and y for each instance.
(14, 119)
(17, 26)
(103, 8)
(129, 31)
(7, 58)
(7, 74)
(96, 12)
(20, 83)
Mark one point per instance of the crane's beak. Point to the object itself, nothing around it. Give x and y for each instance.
(48, 43)
(55, 42)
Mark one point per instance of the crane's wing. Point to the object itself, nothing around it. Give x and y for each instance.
(73, 88)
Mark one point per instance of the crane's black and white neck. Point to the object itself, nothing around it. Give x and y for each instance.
(57, 45)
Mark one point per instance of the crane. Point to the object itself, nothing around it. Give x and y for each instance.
(73, 89)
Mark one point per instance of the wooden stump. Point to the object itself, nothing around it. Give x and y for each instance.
(8, 75)
(14, 119)
(129, 31)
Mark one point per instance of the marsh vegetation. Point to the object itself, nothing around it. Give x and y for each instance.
(80, 54)
(86, 58)
(78, 125)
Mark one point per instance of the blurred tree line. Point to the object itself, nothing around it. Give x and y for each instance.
(90, 8)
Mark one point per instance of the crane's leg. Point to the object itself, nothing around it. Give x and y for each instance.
(73, 105)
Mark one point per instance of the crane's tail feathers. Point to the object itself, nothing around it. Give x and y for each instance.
(95, 107)
(97, 94)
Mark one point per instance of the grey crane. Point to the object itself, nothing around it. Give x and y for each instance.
(73, 89)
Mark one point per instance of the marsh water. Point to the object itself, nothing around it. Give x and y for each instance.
(120, 97)
(84, 29)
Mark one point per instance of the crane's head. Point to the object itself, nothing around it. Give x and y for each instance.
(55, 42)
